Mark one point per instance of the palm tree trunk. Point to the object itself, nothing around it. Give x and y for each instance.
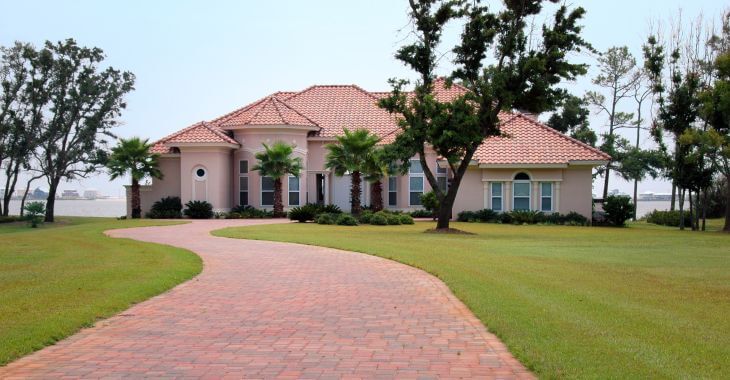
(278, 204)
(377, 195)
(355, 207)
(136, 203)
(726, 228)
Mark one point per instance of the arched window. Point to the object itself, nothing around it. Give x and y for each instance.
(521, 192)
(522, 176)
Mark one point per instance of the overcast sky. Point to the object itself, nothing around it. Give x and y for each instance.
(195, 60)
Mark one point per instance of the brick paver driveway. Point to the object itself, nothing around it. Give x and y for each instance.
(265, 309)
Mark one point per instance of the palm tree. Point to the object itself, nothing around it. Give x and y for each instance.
(275, 162)
(350, 155)
(375, 169)
(133, 156)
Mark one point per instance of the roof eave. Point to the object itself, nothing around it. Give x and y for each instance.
(522, 166)
(202, 144)
(588, 162)
(271, 126)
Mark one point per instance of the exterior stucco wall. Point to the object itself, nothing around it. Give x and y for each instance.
(471, 192)
(168, 186)
(216, 188)
(251, 143)
(576, 191)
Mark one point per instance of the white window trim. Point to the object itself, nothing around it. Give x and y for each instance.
(415, 175)
(395, 179)
(529, 194)
(248, 191)
(261, 187)
(492, 196)
(195, 173)
(298, 191)
(442, 174)
(551, 196)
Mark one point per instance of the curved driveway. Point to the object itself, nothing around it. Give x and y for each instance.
(266, 309)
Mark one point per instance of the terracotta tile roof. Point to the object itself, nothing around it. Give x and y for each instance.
(332, 108)
(268, 111)
(527, 141)
(348, 106)
(201, 132)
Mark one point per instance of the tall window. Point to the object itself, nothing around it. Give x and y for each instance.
(497, 196)
(392, 191)
(415, 182)
(267, 191)
(293, 191)
(442, 177)
(521, 192)
(546, 196)
(243, 182)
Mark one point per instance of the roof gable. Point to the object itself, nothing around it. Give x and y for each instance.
(268, 111)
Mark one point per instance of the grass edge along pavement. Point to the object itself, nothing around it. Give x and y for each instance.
(65, 276)
(577, 302)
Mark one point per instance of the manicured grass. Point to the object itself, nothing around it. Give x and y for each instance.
(576, 302)
(64, 276)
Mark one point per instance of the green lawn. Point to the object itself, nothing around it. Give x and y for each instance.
(63, 276)
(577, 302)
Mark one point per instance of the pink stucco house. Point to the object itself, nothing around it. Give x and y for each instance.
(534, 167)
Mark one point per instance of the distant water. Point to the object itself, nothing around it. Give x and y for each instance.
(118, 207)
(96, 207)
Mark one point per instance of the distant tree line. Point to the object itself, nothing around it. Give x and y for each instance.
(57, 111)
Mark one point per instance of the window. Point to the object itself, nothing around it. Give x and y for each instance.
(442, 178)
(293, 191)
(415, 181)
(392, 191)
(521, 192)
(546, 196)
(199, 173)
(497, 196)
(267, 191)
(243, 183)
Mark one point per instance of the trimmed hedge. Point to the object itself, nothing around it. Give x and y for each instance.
(522, 217)
(668, 218)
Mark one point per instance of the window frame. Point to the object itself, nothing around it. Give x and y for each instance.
(412, 175)
(551, 196)
(442, 174)
(528, 196)
(261, 187)
(290, 191)
(500, 196)
(393, 192)
(241, 175)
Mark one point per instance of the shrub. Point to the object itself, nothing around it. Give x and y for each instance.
(486, 216)
(393, 219)
(555, 218)
(346, 220)
(326, 219)
(199, 210)
(575, 219)
(10, 219)
(405, 219)
(619, 209)
(527, 217)
(505, 218)
(304, 213)
(467, 216)
(248, 212)
(329, 209)
(365, 216)
(421, 214)
(379, 219)
(34, 212)
(166, 208)
(430, 202)
(668, 218)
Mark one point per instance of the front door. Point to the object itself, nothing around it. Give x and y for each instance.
(320, 181)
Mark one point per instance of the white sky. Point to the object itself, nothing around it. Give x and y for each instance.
(198, 60)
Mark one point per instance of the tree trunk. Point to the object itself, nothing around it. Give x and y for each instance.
(376, 192)
(10, 183)
(704, 209)
(51, 200)
(605, 182)
(25, 195)
(355, 207)
(726, 228)
(681, 209)
(672, 204)
(636, 186)
(278, 204)
(691, 212)
(136, 202)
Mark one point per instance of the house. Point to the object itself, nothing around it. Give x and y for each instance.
(531, 167)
